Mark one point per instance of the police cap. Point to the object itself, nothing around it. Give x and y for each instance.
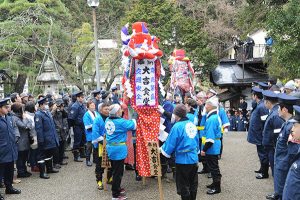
(263, 86)
(42, 100)
(287, 99)
(256, 90)
(269, 95)
(4, 102)
(114, 89)
(95, 92)
(78, 94)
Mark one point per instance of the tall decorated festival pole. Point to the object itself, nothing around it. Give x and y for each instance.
(182, 73)
(142, 88)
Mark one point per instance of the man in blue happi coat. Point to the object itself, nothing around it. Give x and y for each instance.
(212, 143)
(184, 141)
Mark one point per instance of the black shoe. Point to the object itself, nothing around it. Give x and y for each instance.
(138, 178)
(211, 186)
(65, 157)
(52, 171)
(44, 176)
(203, 172)
(129, 167)
(261, 176)
(57, 166)
(63, 163)
(78, 160)
(213, 191)
(12, 191)
(273, 196)
(258, 171)
(1, 197)
(24, 175)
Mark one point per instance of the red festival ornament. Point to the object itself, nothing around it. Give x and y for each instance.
(141, 83)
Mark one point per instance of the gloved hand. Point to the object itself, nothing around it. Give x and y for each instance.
(161, 109)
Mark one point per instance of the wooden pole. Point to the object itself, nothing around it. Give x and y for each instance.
(161, 192)
(105, 179)
(144, 180)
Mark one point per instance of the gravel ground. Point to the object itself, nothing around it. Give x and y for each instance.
(76, 181)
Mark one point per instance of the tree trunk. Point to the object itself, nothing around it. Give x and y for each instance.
(20, 82)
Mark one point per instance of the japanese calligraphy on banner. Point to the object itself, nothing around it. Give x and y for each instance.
(154, 158)
(145, 84)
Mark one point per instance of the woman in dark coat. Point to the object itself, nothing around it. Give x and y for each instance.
(24, 125)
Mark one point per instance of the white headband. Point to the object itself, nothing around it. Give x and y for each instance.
(114, 109)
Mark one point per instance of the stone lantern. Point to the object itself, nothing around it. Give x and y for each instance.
(50, 78)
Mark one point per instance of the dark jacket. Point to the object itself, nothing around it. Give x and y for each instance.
(61, 124)
(8, 146)
(45, 129)
(24, 127)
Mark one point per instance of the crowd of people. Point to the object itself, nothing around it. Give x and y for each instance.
(36, 131)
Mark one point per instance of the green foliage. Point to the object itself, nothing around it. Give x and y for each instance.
(284, 26)
(251, 18)
(175, 30)
(24, 29)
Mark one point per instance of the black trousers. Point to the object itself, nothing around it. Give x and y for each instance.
(187, 180)
(262, 154)
(163, 162)
(21, 162)
(7, 172)
(61, 151)
(213, 165)
(117, 173)
(89, 150)
(98, 169)
(47, 154)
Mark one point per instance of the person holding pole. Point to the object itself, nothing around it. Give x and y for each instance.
(184, 141)
(116, 134)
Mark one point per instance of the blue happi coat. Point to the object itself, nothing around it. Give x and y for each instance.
(212, 133)
(116, 135)
(184, 141)
(98, 131)
(256, 124)
(88, 119)
(285, 153)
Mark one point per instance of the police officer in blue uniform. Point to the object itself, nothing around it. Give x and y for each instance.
(184, 141)
(284, 151)
(271, 129)
(75, 117)
(291, 189)
(257, 122)
(48, 141)
(97, 98)
(8, 148)
(115, 96)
